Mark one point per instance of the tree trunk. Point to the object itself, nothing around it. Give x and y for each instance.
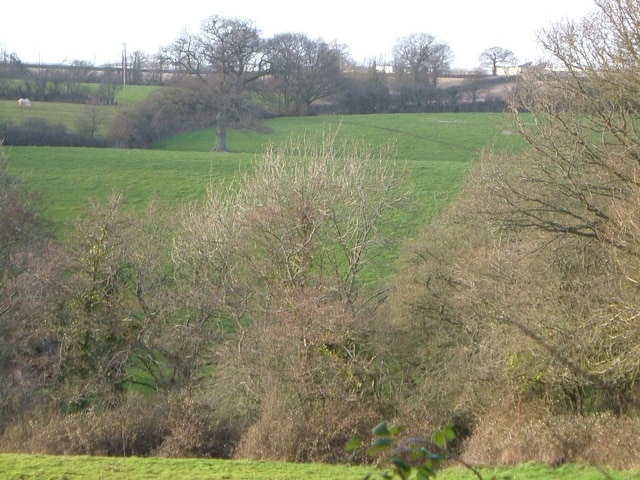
(221, 133)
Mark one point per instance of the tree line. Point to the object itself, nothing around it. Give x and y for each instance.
(233, 73)
(236, 75)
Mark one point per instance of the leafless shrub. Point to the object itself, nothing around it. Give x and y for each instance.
(136, 427)
(523, 292)
(529, 433)
(195, 428)
(288, 247)
(287, 430)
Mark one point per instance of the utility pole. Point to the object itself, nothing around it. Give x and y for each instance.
(124, 65)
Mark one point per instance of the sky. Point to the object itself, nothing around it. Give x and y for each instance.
(97, 32)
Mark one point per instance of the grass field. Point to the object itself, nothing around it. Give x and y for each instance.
(39, 467)
(437, 148)
(419, 136)
(69, 114)
(133, 93)
(67, 178)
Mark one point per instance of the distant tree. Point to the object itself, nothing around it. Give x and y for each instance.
(46, 84)
(110, 85)
(9, 58)
(166, 111)
(82, 71)
(137, 61)
(496, 56)
(367, 92)
(159, 62)
(89, 121)
(423, 57)
(228, 56)
(10, 64)
(304, 70)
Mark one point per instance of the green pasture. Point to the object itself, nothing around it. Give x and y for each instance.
(125, 96)
(436, 148)
(133, 93)
(68, 179)
(70, 114)
(417, 136)
(41, 467)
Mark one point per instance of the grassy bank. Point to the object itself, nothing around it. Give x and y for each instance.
(41, 467)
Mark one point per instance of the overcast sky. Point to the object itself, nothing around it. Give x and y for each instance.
(67, 30)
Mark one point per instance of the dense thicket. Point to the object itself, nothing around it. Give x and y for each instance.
(38, 132)
(526, 287)
(167, 111)
(245, 321)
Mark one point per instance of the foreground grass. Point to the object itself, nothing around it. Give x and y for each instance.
(66, 467)
(35, 467)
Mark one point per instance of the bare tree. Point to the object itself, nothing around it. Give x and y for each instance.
(577, 188)
(159, 62)
(497, 56)
(82, 71)
(423, 57)
(110, 85)
(304, 70)
(23, 228)
(25, 239)
(290, 245)
(228, 56)
(137, 61)
(11, 65)
(526, 286)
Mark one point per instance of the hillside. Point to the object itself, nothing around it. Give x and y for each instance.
(436, 147)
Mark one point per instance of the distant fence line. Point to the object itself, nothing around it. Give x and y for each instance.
(87, 73)
(149, 74)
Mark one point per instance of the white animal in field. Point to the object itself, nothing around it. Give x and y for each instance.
(24, 102)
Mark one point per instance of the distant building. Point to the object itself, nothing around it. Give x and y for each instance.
(384, 68)
(508, 71)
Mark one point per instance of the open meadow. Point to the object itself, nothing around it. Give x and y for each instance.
(71, 115)
(436, 148)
